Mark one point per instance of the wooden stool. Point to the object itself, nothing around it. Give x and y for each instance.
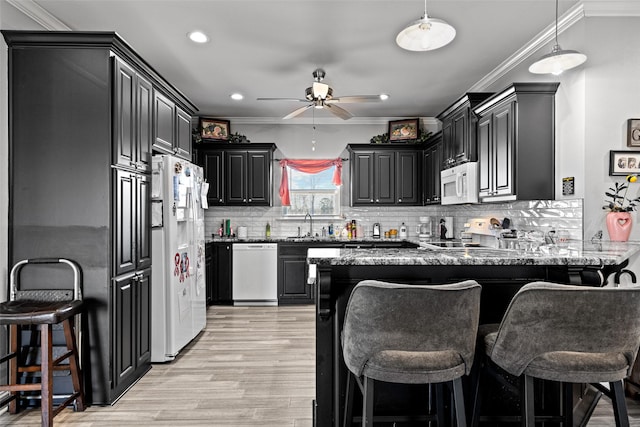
(44, 308)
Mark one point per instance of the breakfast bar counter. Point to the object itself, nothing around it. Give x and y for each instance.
(501, 273)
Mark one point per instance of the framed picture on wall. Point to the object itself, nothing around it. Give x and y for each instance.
(214, 129)
(404, 130)
(622, 163)
(633, 133)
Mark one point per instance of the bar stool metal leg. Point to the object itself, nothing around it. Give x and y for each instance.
(367, 405)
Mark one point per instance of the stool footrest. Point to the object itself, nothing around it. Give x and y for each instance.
(21, 387)
(64, 404)
(36, 368)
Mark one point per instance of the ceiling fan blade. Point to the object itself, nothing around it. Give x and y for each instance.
(338, 111)
(282, 99)
(297, 112)
(355, 98)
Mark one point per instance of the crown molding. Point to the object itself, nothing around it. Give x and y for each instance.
(34, 11)
(325, 121)
(582, 9)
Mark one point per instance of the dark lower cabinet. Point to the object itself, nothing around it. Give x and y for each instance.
(132, 320)
(221, 285)
(209, 271)
(292, 275)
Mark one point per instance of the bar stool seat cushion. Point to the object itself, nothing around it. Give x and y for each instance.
(34, 312)
(414, 367)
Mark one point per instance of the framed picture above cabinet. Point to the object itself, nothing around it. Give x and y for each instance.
(214, 129)
(404, 130)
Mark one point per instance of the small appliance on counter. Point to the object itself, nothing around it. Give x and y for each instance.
(376, 230)
(402, 234)
(424, 228)
(445, 228)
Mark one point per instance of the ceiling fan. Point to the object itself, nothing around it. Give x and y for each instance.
(320, 95)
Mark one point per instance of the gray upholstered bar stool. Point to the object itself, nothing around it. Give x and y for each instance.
(570, 334)
(410, 334)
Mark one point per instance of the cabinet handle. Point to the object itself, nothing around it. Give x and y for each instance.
(377, 200)
(220, 200)
(124, 288)
(249, 200)
(428, 200)
(371, 200)
(399, 200)
(244, 200)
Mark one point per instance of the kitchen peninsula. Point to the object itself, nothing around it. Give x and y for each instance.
(500, 272)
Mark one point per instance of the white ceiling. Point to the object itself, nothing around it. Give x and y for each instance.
(266, 48)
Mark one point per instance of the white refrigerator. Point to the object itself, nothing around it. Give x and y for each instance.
(178, 291)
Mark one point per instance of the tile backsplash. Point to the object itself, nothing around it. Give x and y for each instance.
(524, 215)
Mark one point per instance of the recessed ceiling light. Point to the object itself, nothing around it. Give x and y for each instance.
(384, 96)
(198, 37)
(237, 96)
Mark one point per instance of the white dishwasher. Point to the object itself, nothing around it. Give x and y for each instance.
(255, 273)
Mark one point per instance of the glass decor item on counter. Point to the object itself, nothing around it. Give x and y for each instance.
(267, 231)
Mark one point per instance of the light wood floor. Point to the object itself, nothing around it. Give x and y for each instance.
(252, 366)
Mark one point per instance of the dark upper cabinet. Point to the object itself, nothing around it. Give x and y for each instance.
(431, 169)
(172, 133)
(132, 125)
(212, 162)
(458, 129)
(183, 134)
(164, 131)
(239, 175)
(408, 190)
(516, 143)
(385, 175)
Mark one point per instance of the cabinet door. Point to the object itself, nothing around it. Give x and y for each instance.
(460, 140)
(362, 179)
(164, 135)
(143, 222)
(503, 150)
(124, 212)
(235, 176)
(209, 271)
(212, 163)
(407, 178)
(183, 134)
(222, 284)
(384, 178)
(259, 178)
(124, 111)
(143, 317)
(293, 284)
(447, 143)
(144, 121)
(123, 318)
(485, 158)
(431, 171)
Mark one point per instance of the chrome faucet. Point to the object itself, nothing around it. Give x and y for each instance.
(310, 234)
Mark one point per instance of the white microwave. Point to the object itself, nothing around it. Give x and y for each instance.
(459, 184)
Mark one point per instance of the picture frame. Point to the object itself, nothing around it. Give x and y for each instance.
(214, 129)
(623, 163)
(633, 133)
(404, 130)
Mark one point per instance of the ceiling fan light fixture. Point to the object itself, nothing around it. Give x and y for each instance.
(426, 34)
(236, 96)
(558, 60)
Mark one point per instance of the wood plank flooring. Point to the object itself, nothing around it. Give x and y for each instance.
(252, 366)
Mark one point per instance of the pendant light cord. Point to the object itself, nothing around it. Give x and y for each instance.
(556, 22)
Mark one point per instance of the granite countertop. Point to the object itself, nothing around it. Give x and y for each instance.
(577, 253)
(338, 241)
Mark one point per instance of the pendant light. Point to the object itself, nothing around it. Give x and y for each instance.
(558, 60)
(425, 34)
